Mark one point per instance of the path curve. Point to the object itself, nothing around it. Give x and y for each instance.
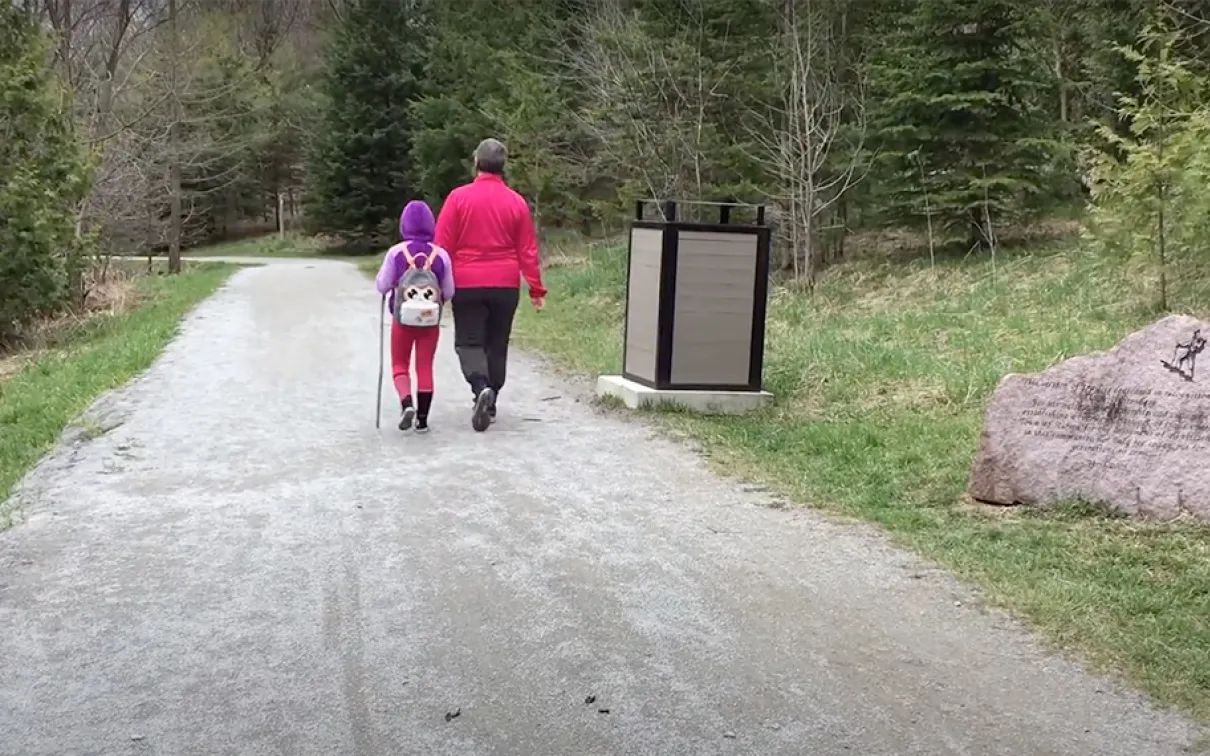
(243, 565)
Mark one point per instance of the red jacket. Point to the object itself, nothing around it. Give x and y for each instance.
(487, 229)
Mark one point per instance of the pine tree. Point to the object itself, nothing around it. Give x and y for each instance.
(1149, 192)
(43, 177)
(959, 125)
(464, 69)
(359, 173)
(492, 74)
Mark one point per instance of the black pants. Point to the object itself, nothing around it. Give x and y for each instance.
(483, 323)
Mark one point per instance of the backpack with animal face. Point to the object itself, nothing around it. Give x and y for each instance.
(418, 294)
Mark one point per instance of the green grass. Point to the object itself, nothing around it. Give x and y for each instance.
(82, 362)
(881, 377)
(367, 264)
(293, 245)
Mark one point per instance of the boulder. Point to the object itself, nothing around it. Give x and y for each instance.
(1128, 428)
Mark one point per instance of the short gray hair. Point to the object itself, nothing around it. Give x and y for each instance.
(490, 156)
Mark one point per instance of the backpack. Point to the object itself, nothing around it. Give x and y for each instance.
(418, 294)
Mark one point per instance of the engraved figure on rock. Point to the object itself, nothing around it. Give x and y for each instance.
(1184, 355)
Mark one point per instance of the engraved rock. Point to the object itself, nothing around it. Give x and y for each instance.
(1128, 428)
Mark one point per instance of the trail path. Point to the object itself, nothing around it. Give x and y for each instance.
(241, 564)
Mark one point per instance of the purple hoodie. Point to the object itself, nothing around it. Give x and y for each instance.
(416, 226)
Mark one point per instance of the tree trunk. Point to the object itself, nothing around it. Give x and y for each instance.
(1064, 95)
(842, 217)
(1161, 236)
(174, 152)
(1162, 249)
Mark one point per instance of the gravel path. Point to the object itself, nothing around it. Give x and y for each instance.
(232, 560)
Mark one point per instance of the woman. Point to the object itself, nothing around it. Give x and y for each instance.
(488, 229)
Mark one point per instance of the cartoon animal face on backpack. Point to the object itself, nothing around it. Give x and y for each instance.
(418, 294)
(422, 294)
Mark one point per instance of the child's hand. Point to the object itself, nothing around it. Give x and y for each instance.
(539, 303)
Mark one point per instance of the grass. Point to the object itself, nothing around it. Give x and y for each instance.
(881, 377)
(293, 245)
(43, 390)
(368, 264)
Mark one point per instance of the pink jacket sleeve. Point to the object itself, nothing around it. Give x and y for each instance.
(447, 275)
(448, 224)
(527, 252)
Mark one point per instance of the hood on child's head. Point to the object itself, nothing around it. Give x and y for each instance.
(416, 223)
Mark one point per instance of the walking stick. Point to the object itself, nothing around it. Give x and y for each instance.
(381, 327)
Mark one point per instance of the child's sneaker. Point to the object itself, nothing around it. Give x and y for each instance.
(422, 426)
(407, 416)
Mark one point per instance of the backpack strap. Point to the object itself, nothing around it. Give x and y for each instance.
(428, 260)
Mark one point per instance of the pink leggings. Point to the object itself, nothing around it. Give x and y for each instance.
(402, 340)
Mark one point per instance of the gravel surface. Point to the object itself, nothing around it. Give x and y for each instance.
(230, 559)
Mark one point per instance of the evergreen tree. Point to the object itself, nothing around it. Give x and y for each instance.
(43, 177)
(360, 173)
(493, 72)
(959, 125)
(463, 70)
(1149, 193)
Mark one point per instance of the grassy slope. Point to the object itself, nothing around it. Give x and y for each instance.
(260, 246)
(293, 245)
(882, 377)
(104, 353)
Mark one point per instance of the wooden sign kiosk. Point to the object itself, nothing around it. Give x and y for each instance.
(696, 295)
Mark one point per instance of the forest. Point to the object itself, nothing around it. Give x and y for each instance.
(153, 126)
(958, 190)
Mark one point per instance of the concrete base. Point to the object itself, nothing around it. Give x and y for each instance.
(637, 396)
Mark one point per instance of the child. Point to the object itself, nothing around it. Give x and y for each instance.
(416, 225)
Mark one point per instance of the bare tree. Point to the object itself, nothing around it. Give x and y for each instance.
(1059, 42)
(821, 109)
(174, 139)
(166, 94)
(649, 99)
(1192, 11)
(100, 48)
(264, 24)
